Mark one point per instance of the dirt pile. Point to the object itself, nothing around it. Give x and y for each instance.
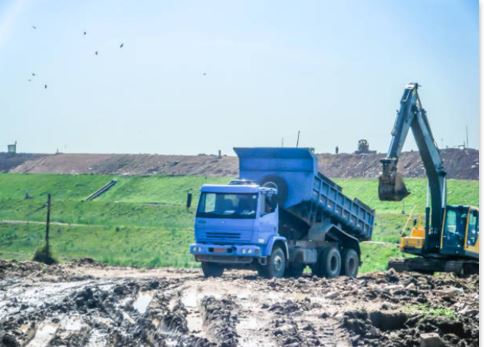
(463, 164)
(88, 304)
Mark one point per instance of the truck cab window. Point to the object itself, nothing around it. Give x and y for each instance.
(227, 205)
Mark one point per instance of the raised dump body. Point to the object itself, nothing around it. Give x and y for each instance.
(303, 192)
(280, 216)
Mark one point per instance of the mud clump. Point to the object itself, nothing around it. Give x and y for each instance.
(220, 317)
(400, 329)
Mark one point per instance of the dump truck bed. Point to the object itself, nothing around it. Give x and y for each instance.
(306, 192)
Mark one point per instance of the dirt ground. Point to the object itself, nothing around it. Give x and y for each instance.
(87, 304)
(462, 164)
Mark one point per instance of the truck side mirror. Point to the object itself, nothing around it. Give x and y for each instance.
(273, 201)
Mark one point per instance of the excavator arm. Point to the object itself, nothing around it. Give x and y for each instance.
(391, 186)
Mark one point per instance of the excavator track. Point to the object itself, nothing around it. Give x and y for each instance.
(432, 265)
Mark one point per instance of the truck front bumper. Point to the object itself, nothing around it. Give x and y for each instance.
(225, 253)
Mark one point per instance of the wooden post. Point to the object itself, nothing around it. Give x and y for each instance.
(47, 223)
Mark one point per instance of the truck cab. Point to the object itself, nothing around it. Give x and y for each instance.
(235, 224)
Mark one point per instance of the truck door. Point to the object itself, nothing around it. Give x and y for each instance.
(268, 217)
(454, 230)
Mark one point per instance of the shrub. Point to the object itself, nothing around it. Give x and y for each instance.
(44, 255)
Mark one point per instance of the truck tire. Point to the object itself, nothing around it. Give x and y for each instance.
(329, 263)
(350, 263)
(212, 269)
(278, 183)
(294, 270)
(276, 264)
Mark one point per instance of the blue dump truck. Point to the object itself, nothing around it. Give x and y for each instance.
(280, 216)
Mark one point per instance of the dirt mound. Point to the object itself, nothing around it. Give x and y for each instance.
(11, 161)
(462, 164)
(89, 304)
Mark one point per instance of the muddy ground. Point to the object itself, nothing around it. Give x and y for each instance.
(87, 304)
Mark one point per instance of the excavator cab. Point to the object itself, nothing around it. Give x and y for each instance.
(460, 231)
(459, 236)
(390, 183)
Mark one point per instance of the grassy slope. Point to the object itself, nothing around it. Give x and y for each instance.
(142, 220)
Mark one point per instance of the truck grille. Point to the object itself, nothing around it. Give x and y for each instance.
(222, 235)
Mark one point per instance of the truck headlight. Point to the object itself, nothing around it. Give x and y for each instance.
(244, 251)
(261, 240)
(249, 251)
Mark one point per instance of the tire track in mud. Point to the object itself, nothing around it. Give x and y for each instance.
(91, 305)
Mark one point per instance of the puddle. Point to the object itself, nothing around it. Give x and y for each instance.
(73, 324)
(142, 301)
(43, 335)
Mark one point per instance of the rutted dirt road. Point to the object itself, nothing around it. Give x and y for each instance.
(86, 304)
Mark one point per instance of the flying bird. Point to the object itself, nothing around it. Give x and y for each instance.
(121, 45)
(45, 86)
(33, 74)
(204, 74)
(34, 27)
(96, 53)
(30, 80)
(85, 32)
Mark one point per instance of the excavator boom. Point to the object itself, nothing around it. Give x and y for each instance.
(391, 187)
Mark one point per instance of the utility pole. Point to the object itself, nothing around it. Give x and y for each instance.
(47, 224)
(467, 137)
(298, 133)
(282, 142)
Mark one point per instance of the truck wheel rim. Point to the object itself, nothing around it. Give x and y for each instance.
(278, 263)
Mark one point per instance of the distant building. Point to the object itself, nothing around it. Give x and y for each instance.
(12, 149)
(364, 147)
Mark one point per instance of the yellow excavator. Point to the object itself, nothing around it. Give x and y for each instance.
(449, 240)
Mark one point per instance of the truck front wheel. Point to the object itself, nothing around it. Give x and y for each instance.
(276, 264)
(212, 269)
(329, 263)
(351, 263)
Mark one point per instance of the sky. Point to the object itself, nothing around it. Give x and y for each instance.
(198, 76)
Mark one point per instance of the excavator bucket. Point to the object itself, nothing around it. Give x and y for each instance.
(392, 188)
(390, 182)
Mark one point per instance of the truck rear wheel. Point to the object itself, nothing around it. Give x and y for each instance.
(329, 263)
(294, 270)
(351, 263)
(276, 264)
(212, 269)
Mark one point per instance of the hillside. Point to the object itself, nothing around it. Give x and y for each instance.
(142, 221)
(460, 164)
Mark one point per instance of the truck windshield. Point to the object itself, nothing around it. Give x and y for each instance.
(227, 205)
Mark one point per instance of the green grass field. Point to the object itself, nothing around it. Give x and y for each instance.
(142, 221)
